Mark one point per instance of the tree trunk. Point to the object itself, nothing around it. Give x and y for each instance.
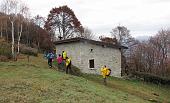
(12, 23)
(63, 27)
(6, 34)
(1, 29)
(38, 44)
(27, 36)
(19, 38)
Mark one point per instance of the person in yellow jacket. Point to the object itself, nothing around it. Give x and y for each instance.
(64, 55)
(68, 65)
(105, 73)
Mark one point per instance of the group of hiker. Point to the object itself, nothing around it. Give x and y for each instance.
(63, 62)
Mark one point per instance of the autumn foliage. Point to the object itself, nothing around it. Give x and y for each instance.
(32, 34)
(63, 22)
(108, 39)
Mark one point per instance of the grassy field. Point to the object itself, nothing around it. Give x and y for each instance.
(34, 82)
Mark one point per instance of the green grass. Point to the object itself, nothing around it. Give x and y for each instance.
(34, 82)
(147, 91)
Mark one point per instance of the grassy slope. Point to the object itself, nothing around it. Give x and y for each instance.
(147, 91)
(34, 82)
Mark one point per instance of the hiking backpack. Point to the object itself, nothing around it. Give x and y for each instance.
(108, 72)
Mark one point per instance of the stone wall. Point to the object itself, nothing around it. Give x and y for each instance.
(82, 52)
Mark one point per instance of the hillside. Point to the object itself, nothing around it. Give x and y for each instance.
(34, 82)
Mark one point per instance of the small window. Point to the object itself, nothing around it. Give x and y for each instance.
(91, 63)
(104, 46)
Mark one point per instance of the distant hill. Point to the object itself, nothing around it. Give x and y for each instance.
(142, 38)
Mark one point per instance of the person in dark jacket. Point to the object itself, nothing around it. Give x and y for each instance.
(50, 57)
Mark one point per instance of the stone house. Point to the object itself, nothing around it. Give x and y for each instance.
(90, 55)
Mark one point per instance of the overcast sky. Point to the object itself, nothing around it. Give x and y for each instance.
(141, 17)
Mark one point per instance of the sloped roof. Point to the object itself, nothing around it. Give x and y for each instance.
(100, 43)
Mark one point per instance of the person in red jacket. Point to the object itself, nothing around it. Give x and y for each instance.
(59, 61)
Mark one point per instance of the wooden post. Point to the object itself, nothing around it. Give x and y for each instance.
(28, 58)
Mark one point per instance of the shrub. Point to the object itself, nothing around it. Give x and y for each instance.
(28, 50)
(3, 58)
(168, 69)
(152, 78)
(5, 49)
(75, 71)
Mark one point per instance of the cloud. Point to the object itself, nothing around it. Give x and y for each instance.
(142, 17)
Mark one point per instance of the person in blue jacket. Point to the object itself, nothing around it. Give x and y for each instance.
(50, 57)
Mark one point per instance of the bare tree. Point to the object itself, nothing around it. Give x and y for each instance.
(3, 25)
(15, 20)
(10, 8)
(87, 33)
(40, 22)
(3, 22)
(11, 18)
(161, 44)
(23, 11)
(121, 33)
(15, 9)
(152, 56)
